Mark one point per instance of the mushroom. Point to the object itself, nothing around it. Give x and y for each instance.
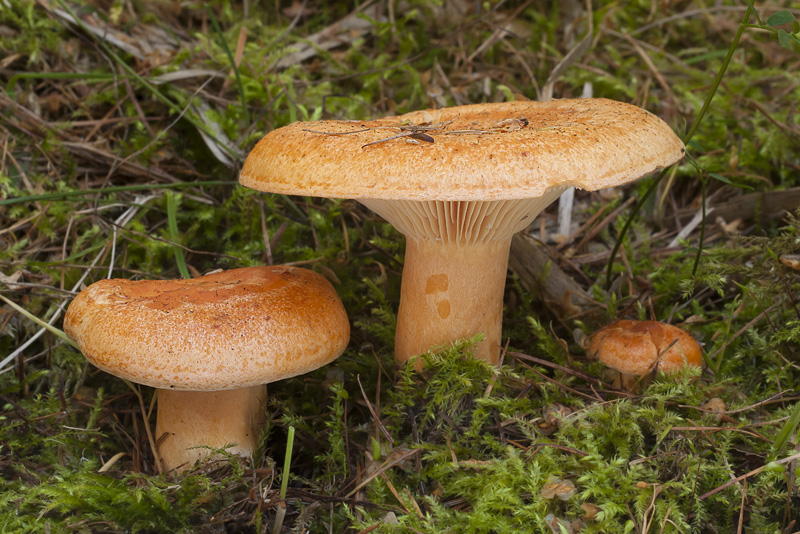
(459, 183)
(210, 345)
(634, 349)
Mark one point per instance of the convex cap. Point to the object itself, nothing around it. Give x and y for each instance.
(639, 347)
(495, 151)
(226, 330)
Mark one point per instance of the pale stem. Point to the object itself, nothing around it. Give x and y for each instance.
(212, 418)
(454, 271)
(450, 292)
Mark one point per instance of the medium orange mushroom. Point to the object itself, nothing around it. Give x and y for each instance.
(210, 345)
(635, 349)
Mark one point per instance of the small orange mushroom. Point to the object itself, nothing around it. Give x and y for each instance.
(638, 348)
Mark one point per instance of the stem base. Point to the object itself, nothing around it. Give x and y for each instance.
(451, 292)
(211, 418)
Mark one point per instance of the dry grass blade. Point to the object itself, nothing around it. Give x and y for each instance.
(398, 136)
(47, 326)
(122, 166)
(110, 463)
(552, 365)
(146, 420)
(388, 464)
(337, 133)
(146, 42)
(749, 474)
(375, 415)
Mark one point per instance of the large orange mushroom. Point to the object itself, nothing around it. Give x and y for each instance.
(459, 183)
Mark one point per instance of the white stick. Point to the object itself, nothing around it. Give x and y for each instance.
(567, 199)
(690, 226)
(565, 203)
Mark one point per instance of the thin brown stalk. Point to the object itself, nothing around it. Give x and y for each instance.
(375, 416)
(748, 475)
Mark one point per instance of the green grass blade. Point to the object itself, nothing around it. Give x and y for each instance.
(287, 461)
(99, 76)
(115, 189)
(172, 224)
(281, 511)
(636, 209)
(788, 429)
(72, 258)
(233, 62)
(702, 227)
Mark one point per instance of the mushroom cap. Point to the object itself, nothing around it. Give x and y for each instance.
(226, 330)
(497, 151)
(632, 347)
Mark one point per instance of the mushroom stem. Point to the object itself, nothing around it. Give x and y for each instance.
(211, 418)
(630, 382)
(451, 291)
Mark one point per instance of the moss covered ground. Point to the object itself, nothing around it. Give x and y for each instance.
(122, 129)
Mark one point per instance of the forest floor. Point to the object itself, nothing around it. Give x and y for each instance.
(123, 127)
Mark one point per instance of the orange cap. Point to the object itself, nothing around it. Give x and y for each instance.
(637, 347)
(226, 330)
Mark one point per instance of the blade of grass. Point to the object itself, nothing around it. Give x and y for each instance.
(70, 259)
(788, 429)
(172, 225)
(115, 189)
(716, 364)
(287, 460)
(50, 328)
(292, 206)
(232, 60)
(702, 227)
(634, 212)
(99, 76)
(695, 125)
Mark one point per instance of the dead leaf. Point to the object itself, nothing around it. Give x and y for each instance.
(556, 487)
